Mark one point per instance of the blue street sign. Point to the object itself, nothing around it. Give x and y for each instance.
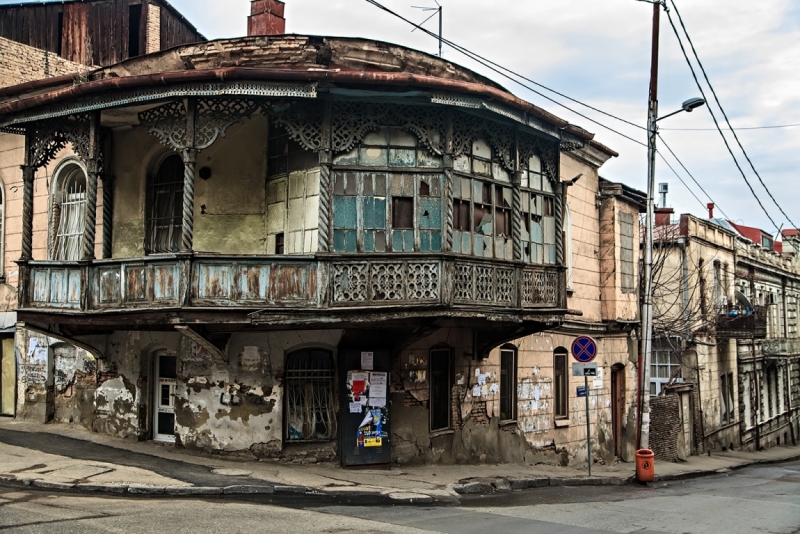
(584, 349)
(581, 391)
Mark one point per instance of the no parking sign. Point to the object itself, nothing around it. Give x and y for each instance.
(584, 349)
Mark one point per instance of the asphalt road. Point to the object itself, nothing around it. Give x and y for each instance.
(763, 499)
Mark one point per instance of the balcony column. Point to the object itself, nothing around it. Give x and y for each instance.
(447, 163)
(28, 176)
(92, 170)
(516, 202)
(189, 154)
(108, 214)
(325, 180)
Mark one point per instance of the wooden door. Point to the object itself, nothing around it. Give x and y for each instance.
(617, 402)
(687, 423)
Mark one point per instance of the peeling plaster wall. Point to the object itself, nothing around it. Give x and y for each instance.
(478, 434)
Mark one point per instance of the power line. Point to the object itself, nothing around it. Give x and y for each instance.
(716, 123)
(681, 179)
(725, 115)
(691, 176)
(714, 129)
(499, 70)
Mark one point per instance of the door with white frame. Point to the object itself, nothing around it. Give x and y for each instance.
(164, 402)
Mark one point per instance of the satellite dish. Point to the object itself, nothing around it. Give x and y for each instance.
(741, 299)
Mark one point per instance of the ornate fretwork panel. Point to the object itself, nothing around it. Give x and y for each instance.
(47, 138)
(352, 121)
(423, 281)
(385, 281)
(484, 283)
(505, 285)
(214, 116)
(350, 282)
(539, 287)
(547, 151)
(467, 128)
(303, 121)
(464, 282)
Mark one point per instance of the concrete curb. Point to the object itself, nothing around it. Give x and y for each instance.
(470, 486)
(688, 475)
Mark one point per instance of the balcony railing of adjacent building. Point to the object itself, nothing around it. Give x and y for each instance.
(742, 323)
(203, 281)
(781, 347)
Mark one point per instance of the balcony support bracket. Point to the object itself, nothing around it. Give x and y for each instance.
(215, 352)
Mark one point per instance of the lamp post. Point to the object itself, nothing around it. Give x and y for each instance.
(643, 441)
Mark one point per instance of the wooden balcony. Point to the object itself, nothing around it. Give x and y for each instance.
(259, 290)
(742, 324)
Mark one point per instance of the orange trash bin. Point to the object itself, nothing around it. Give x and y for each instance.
(645, 465)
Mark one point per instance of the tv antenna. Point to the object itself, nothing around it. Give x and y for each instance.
(436, 10)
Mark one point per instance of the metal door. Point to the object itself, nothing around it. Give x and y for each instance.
(365, 435)
(166, 381)
(687, 423)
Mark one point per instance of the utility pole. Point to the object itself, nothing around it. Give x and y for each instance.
(647, 304)
(436, 10)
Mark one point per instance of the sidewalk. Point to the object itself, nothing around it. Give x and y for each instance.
(70, 458)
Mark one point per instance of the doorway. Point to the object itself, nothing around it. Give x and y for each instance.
(617, 402)
(8, 377)
(164, 401)
(687, 423)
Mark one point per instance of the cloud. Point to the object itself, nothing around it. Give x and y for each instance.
(599, 52)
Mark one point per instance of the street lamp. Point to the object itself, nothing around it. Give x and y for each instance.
(643, 436)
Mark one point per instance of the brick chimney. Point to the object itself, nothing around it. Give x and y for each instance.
(710, 207)
(664, 216)
(266, 18)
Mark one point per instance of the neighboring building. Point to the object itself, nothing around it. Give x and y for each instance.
(717, 297)
(296, 216)
(60, 41)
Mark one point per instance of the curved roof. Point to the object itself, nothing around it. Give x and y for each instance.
(324, 60)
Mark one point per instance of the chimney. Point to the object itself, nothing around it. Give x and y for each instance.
(266, 18)
(710, 207)
(664, 216)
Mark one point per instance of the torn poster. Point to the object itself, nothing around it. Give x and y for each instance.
(368, 361)
(494, 388)
(476, 391)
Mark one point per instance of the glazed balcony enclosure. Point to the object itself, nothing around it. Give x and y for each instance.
(260, 195)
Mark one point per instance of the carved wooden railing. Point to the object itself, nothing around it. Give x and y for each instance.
(261, 282)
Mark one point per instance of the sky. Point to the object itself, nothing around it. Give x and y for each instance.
(598, 52)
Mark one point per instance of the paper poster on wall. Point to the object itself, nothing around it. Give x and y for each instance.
(481, 379)
(356, 407)
(370, 431)
(597, 381)
(39, 356)
(476, 391)
(377, 402)
(367, 361)
(494, 388)
(378, 384)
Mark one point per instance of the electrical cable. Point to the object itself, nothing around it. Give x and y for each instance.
(681, 179)
(716, 123)
(494, 67)
(691, 176)
(725, 115)
(740, 129)
(497, 69)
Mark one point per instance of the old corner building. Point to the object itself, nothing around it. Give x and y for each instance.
(294, 247)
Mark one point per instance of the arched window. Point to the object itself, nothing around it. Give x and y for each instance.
(560, 384)
(68, 214)
(165, 205)
(308, 380)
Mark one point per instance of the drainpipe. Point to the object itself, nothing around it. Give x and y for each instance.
(758, 394)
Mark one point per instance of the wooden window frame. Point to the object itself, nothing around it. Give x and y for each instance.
(560, 382)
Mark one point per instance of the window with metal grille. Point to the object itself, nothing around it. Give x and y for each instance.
(69, 215)
(561, 383)
(165, 204)
(508, 381)
(309, 383)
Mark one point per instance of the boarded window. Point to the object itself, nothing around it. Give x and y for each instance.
(561, 383)
(310, 414)
(441, 379)
(626, 252)
(508, 380)
(69, 216)
(165, 199)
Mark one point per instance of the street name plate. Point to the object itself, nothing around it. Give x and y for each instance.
(581, 391)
